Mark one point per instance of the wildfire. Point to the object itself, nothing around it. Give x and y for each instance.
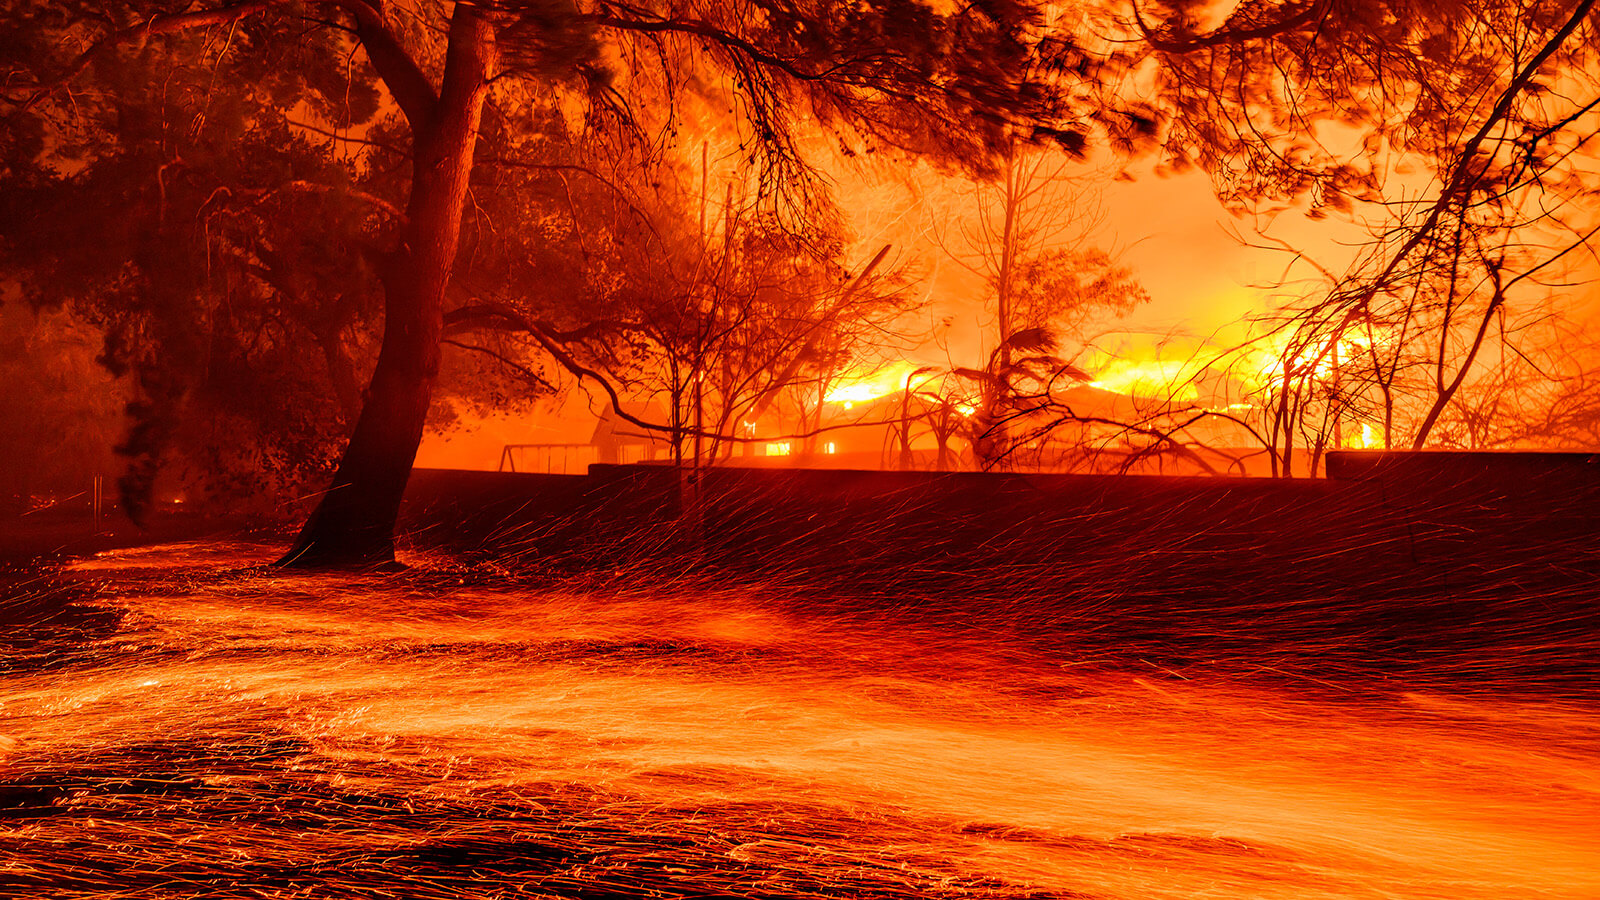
(1167, 371)
(1324, 359)
(1148, 378)
(864, 388)
(1368, 439)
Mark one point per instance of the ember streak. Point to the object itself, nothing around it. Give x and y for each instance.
(182, 721)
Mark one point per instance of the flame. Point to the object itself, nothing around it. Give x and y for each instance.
(1169, 370)
(1368, 439)
(868, 386)
(1325, 358)
(1148, 378)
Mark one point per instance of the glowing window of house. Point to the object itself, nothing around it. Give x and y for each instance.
(781, 448)
(831, 448)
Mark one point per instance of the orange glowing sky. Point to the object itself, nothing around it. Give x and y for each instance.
(1188, 251)
(1170, 230)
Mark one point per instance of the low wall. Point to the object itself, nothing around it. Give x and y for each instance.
(1509, 471)
(1379, 529)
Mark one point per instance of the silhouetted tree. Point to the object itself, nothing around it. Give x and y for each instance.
(223, 251)
(1029, 237)
(1456, 130)
(909, 75)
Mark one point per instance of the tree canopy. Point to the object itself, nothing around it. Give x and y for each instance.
(276, 199)
(93, 88)
(1458, 135)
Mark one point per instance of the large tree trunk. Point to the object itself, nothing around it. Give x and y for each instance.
(354, 523)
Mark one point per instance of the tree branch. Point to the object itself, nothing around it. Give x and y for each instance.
(504, 360)
(711, 33)
(312, 187)
(1229, 35)
(406, 81)
(155, 25)
(501, 317)
(1462, 179)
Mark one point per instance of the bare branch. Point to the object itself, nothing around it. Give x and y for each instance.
(138, 33)
(1231, 34)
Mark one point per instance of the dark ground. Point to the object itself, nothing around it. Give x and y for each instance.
(70, 532)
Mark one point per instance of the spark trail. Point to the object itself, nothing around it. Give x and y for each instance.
(202, 726)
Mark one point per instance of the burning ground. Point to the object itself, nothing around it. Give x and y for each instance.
(181, 720)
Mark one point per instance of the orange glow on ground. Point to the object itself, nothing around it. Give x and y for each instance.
(243, 726)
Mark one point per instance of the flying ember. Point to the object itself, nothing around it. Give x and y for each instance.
(443, 734)
(764, 451)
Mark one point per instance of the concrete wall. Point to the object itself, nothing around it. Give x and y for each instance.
(1390, 531)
